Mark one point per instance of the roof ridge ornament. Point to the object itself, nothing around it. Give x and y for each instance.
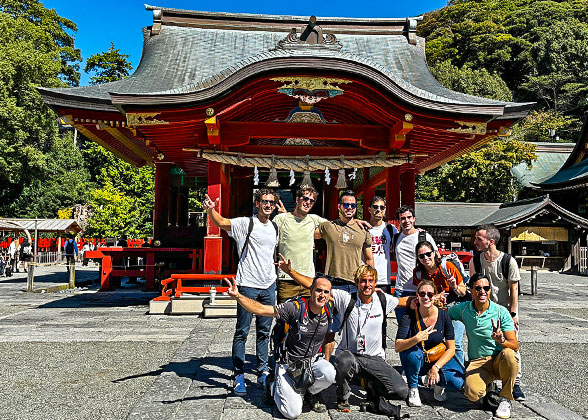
(311, 36)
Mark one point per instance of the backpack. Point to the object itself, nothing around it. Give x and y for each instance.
(504, 264)
(281, 329)
(353, 301)
(27, 251)
(69, 247)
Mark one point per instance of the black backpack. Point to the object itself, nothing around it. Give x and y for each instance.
(281, 329)
(69, 247)
(504, 264)
(353, 301)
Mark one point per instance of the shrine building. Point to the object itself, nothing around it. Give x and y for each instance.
(223, 100)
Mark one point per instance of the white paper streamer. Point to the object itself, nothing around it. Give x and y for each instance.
(292, 177)
(255, 176)
(327, 176)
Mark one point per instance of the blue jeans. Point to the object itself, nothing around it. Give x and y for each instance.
(262, 329)
(413, 362)
(459, 330)
(400, 311)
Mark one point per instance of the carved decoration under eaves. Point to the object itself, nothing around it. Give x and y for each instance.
(297, 142)
(143, 118)
(469, 127)
(311, 36)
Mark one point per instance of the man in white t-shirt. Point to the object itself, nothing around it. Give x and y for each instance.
(361, 352)
(256, 238)
(505, 290)
(382, 235)
(13, 254)
(296, 243)
(405, 253)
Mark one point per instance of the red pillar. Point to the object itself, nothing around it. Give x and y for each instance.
(212, 240)
(407, 185)
(162, 194)
(225, 202)
(392, 192)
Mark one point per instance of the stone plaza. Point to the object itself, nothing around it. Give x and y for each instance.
(85, 354)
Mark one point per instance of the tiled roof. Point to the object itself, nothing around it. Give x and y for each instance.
(550, 158)
(43, 225)
(446, 214)
(184, 59)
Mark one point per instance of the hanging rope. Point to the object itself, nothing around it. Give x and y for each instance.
(301, 163)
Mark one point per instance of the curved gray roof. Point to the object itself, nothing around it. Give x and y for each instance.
(186, 59)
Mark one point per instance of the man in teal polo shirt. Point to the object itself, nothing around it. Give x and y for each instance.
(492, 344)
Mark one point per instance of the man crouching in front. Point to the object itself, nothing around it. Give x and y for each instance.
(301, 367)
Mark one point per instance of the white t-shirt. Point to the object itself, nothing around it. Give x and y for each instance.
(500, 289)
(256, 266)
(369, 317)
(12, 249)
(381, 250)
(406, 259)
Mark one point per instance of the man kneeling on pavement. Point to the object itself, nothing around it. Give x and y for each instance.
(361, 353)
(308, 323)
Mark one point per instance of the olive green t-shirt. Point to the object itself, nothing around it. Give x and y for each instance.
(345, 244)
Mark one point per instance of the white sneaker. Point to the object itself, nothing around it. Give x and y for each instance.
(414, 399)
(239, 387)
(503, 410)
(439, 393)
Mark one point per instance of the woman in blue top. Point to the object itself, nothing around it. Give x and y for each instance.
(425, 328)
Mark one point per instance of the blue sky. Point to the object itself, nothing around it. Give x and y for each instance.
(100, 23)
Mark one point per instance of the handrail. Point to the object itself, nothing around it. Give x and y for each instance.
(175, 285)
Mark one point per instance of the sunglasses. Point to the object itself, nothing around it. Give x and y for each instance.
(425, 255)
(308, 199)
(479, 288)
(270, 202)
(347, 205)
(429, 294)
(376, 207)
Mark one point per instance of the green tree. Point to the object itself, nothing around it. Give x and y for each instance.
(36, 49)
(108, 66)
(480, 176)
(545, 126)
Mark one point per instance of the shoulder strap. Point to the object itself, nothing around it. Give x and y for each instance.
(422, 235)
(395, 240)
(383, 302)
(505, 266)
(347, 312)
(390, 229)
(478, 262)
(328, 308)
(416, 314)
(249, 230)
(301, 302)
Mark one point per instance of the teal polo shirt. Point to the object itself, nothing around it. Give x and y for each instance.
(479, 328)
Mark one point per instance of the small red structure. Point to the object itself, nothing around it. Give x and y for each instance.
(218, 94)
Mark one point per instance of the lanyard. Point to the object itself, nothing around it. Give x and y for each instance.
(366, 316)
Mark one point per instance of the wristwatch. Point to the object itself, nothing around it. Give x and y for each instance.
(513, 314)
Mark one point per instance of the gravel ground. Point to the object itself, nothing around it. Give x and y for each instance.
(77, 380)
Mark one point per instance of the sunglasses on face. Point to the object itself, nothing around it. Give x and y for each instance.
(270, 202)
(376, 207)
(429, 294)
(347, 205)
(425, 255)
(308, 199)
(479, 288)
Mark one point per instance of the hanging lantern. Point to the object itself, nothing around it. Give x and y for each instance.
(272, 181)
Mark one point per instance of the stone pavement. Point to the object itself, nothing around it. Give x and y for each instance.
(98, 355)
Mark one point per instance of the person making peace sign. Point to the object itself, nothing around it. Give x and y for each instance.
(492, 344)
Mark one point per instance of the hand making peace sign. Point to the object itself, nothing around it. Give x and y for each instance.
(424, 334)
(497, 334)
(208, 204)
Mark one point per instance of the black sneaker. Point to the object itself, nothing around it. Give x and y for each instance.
(314, 402)
(267, 397)
(517, 393)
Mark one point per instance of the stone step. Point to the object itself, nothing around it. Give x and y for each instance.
(193, 305)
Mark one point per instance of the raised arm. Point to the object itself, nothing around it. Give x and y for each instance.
(213, 215)
(249, 305)
(301, 279)
(514, 301)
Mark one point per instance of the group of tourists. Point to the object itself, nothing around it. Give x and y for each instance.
(433, 305)
(19, 255)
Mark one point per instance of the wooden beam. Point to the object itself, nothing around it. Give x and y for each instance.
(398, 135)
(125, 141)
(354, 132)
(86, 132)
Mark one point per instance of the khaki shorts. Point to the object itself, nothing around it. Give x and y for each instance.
(288, 289)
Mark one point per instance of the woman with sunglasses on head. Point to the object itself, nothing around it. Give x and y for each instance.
(420, 331)
(447, 279)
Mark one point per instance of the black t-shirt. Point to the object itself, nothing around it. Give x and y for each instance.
(307, 337)
(407, 328)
